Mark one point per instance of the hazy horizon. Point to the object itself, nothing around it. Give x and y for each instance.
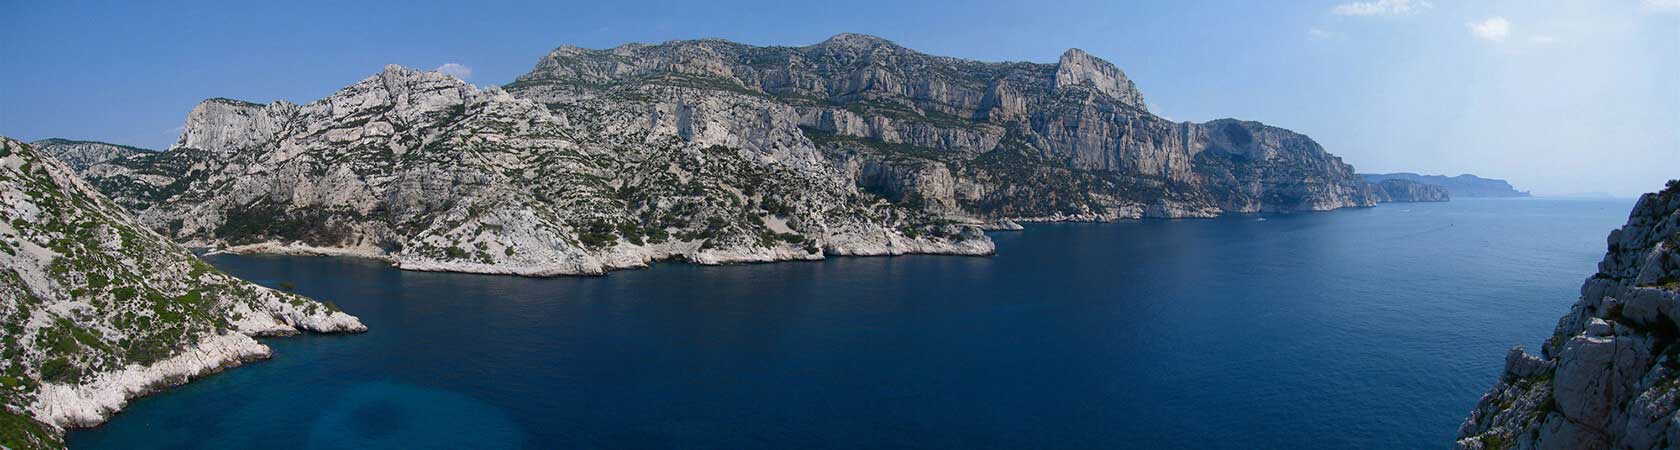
(1570, 97)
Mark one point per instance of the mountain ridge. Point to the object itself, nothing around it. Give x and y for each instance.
(80, 155)
(100, 310)
(1463, 185)
(708, 151)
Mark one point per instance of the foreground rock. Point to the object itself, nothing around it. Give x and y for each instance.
(1469, 186)
(1610, 375)
(707, 151)
(99, 310)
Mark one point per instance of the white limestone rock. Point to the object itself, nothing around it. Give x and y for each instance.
(604, 159)
(1609, 376)
(433, 174)
(99, 309)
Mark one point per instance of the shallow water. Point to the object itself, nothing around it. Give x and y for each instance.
(1358, 328)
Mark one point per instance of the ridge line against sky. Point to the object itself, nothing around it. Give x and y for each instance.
(1557, 97)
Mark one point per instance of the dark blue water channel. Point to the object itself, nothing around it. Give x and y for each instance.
(1373, 328)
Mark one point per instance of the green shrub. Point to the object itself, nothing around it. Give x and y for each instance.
(21, 432)
(60, 370)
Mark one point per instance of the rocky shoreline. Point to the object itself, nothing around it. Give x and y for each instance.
(1609, 377)
(99, 310)
(624, 257)
(89, 404)
(703, 151)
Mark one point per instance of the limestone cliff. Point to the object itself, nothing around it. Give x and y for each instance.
(1609, 377)
(1465, 185)
(98, 309)
(1407, 191)
(79, 155)
(1069, 140)
(433, 173)
(708, 151)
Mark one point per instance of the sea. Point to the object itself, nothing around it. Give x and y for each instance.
(1357, 328)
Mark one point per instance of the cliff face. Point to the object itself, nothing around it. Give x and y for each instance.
(99, 309)
(1406, 191)
(436, 174)
(1066, 140)
(708, 151)
(1610, 375)
(79, 155)
(1460, 186)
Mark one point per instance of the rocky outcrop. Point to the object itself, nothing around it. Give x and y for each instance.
(1465, 185)
(1077, 68)
(1036, 141)
(100, 309)
(1609, 377)
(708, 151)
(1406, 191)
(79, 155)
(432, 173)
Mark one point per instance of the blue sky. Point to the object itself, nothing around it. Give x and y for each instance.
(1558, 97)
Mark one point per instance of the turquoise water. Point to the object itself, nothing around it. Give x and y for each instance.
(1373, 328)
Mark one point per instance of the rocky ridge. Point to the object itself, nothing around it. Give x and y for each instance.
(1033, 141)
(1407, 191)
(1609, 377)
(79, 155)
(707, 151)
(100, 309)
(433, 173)
(1465, 185)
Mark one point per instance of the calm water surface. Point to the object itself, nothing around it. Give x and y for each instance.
(1360, 328)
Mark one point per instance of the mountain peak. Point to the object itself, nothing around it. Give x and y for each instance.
(1077, 68)
(856, 40)
(397, 71)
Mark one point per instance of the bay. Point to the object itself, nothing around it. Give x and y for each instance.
(1367, 328)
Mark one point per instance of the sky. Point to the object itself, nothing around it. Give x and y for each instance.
(1558, 97)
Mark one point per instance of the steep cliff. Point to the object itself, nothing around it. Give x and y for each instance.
(1465, 185)
(79, 155)
(1406, 191)
(98, 309)
(1609, 377)
(708, 151)
(1069, 140)
(436, 174)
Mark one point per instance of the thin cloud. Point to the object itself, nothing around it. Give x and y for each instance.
(1320, 34)
(1381, 8)
(455, 70)
(1542, 39)
(1659, 6)
(1494, 29)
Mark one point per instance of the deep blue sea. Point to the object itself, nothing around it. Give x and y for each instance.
(1368, 328)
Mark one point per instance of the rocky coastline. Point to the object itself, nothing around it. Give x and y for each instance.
(1609, 377)
(703, 151)
(101, 310)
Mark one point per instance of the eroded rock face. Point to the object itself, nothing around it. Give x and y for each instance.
(1465, 185)
(79, 155)
(1077, 68)
(98, 309)
(1407, 191)
(709, 151)
(1609, 377)
(1025, 140)
(435, 174)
